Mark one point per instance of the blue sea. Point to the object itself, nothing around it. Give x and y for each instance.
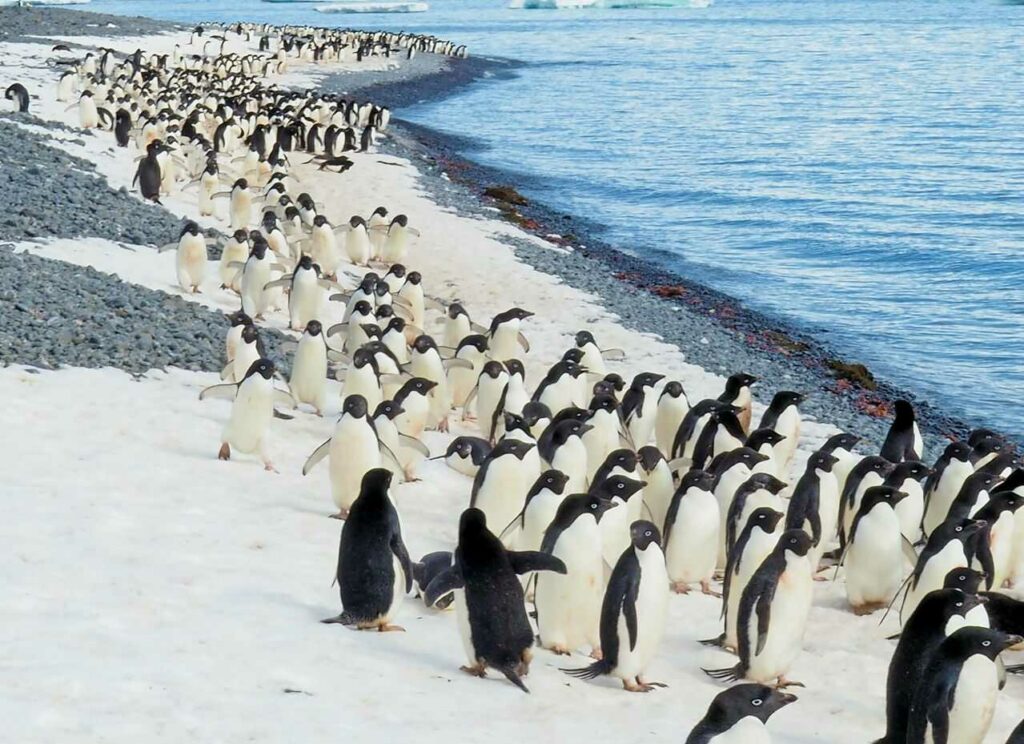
(853, 166)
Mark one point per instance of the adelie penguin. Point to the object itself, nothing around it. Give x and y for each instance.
(773, 614)
(739, 715)
(903, 442)
(691, 534)
(639, 407)
(489, 603)
(633, 612)
(876, 552)
(374, 571)
(956, 696)
(17, 93)
(737, 393)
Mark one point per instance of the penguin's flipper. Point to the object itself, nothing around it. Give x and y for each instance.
(764, 612)
(477, 328)
(392, 379)
(386, 452)
(629, 608)
(456, 362)
(414, 444)
(471, 397)
(613, 355)
(338, 356)
(679, 464)
(1001, 671)
(226, 391)
(523, 342)
(399, 550)
(511, 676)
(318, 454)
(430, 303)
(337, 328)
(285, 398)
(444, 583)
(167, 247)
(226, 372)
(340, 297)
(525, 561)
(284, 281)
(908, 551)
(328, 284)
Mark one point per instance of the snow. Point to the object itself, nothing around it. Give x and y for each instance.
(157, 594)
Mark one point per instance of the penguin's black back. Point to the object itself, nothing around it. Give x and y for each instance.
(366, 569)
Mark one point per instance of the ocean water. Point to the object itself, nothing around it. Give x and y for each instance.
(853, 166)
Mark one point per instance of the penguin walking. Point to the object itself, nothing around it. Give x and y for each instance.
(939, 615)
(633, 612)
(251, 412)
(691, 534)
(308, 381)
(489, 603)
(876, 551)
(773, 614)
(501, 485)
(569, 605)
(738, 715)
(353, 450)
(505, 335)
(190, 262)
(374, 571)
(956, 696)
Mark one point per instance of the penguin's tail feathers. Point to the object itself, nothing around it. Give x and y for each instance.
(343, 619)
(1015, 669)
(717, 641)
(593, 671)
(729, 674)
(512, 676)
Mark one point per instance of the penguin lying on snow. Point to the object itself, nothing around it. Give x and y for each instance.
(738, 716)
(489, 602)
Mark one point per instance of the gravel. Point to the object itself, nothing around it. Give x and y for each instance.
(20, 23)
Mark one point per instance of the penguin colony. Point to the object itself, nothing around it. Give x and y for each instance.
(589, 497)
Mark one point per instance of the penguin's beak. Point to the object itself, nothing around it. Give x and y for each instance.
(602, 508)
(1013, 643)
(786, 698)
(898, 496)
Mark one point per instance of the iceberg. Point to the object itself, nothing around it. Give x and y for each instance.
(552, 4)
(25, 3)
(369, 7)
(606, 4)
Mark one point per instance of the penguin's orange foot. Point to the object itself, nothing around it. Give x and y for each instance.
(783, 683)
(388, 628)
(225, 452)
(477, 670)
(632, 686)
(342, 514)
(442, 425)
(597, 654)
(269, 467)
(560, 650)
(705, 587)
(680, 587)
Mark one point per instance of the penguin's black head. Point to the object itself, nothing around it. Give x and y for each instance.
(823, 461)
(355, 406)
(987, 447)
(786, 398)
(552, 480)
(766, 482)
(603, 403)
(414, 278)
(306, 262)
(618, 384)
(389, 409)
(319, 220)
(238, 318)
(737, 382)
(977, 436)
(514, 366)
(581, 503)
(840, 441)
(881, 495)
(421, 385)
(362, 308)
(262, 367)
(875, 464)
(574, 355)
(368, 283)
(517, 313)
(1005, 501)
(741, 701)
(760, 437)
(241, 183)
(381, 289)
(305, 201)
(384, 313)
(189, 228)
(965, 579)
(472, 523)
(904, 411)
(423, 344)
(699, 479)
(514, 447)
(515, 422)
(766, 518)
(909, 469)
(455, 310)
(493, 370)
(535, 411)
(363, 357)
(646, 380)
(375, 482)
(673, 389)
(461, 446)
(259, 248)
(355, 221)
(401, 220)
(621, 458)
(797, 542)
(603, 387)
(649, 457)
(971, 640)
(240, 236)
(621, 486)
(372, 330)
(250, 335)
(643, 534)
(966, 528)
(313, 328)
(585, 337)
(397, 270)
(396, 324)
(380, 211)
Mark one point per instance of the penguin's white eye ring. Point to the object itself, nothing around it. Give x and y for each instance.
(959, 604)
(986, 644)
(756, 702)
(593, 506)
(647, 534)
(959, 529)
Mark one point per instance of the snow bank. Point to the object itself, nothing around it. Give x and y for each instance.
(370, 7)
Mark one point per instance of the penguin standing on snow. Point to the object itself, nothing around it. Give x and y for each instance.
(956, 696)
(737, 393)
(672, 408)
(374, 570)
(639, 408)
(940, 614)
(691, 533)
(952, 545)
(814, 506)
(773, 614)
(903, 442)
(633, 612)
(502, 483)
(489, 603)
(876, 551)
(739, 715)
(783, 417)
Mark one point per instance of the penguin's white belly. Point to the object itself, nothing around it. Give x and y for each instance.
(505, 343)
(245, 355)
(828, 511)
(951, 556)
(693, 547)
(501, 495)
(411, 422)
(945, 492)
(304, 303)
(571, 459)
(207, 188)
(747, 730)
(615, 532)
(363, 381)
(569, 606)
(460, 383)
(1001, 545)
(641, 426)
(309, 373)
(874, 564)
(758, 547)
(911, 510)
(651, 612)
(357, 246)
(974, 702)
(230, 275)
(250, 416)
(725, 492)
(537, 519)
(600, 441)
(560, 394)
(788, 617)
(241, 210)
(353, 451)
(254, 279)
(191, 262)
(667, 420)
(657, 496)
(788, 426)
(462, 621)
